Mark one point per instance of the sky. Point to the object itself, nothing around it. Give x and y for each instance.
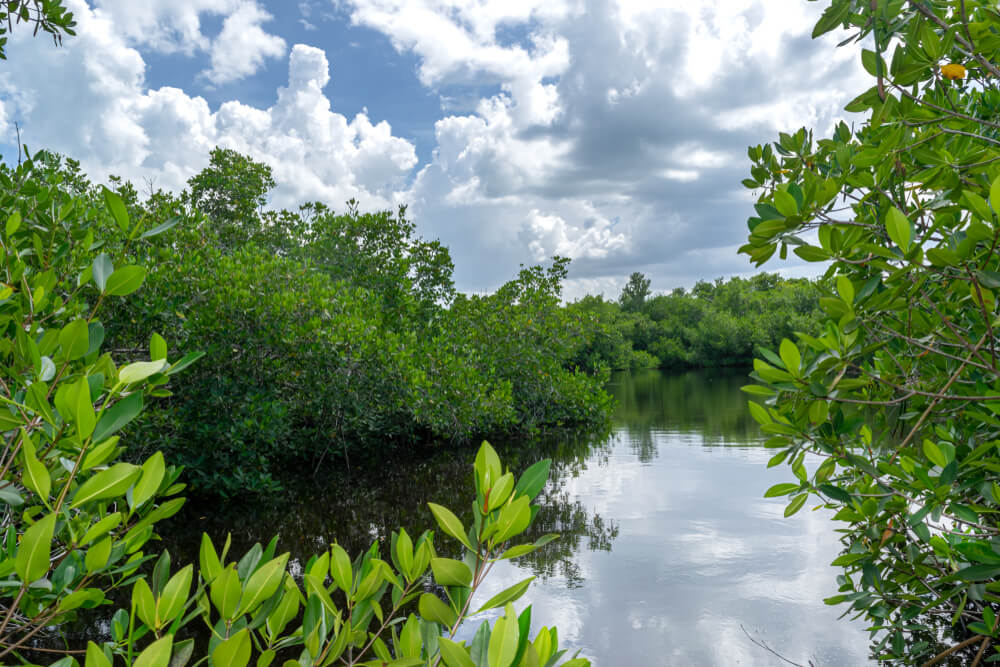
(613, 132)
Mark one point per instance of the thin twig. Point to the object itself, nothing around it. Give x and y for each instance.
(763, 645)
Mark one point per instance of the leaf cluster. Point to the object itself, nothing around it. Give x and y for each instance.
(898, 392)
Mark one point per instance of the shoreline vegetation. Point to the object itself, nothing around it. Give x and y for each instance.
(306, 336)
(337, 339)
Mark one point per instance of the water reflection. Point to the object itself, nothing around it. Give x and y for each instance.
(669, 554)
(368, 504)
(700, 560)
(706, 405)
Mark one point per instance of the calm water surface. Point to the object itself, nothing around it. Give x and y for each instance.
(669, 555)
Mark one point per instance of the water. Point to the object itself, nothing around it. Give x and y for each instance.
(670, 555)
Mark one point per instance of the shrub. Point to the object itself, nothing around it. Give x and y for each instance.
(899, 390)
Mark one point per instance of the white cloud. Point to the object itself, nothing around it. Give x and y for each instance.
(633, 111)
(95, 106)
(457, 38)
(242, 46)
(164, 25)
(614, 131)
(176, 26)
(551, 235)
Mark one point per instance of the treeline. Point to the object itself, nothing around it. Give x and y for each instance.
(339, 337)
(327, 336)
(718, 323)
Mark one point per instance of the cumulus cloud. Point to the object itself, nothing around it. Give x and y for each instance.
(628, 111)
(166, 26)
(242, 46)
(612, 131)
(120, 126)
(177, 26)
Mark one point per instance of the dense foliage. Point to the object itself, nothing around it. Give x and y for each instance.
(333, 336)
(899, 392)
(714, 324)
(77, 518)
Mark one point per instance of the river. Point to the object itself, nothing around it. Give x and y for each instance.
(670, 554)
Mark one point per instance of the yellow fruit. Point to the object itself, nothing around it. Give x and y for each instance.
(953, 71)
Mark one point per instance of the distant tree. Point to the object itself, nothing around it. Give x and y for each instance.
(634, 295)
(703, 289)
(232, 192)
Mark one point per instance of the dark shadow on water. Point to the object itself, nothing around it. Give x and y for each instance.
(357, 508)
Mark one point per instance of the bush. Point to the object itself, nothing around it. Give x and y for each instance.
(78, 519)
(899, 391)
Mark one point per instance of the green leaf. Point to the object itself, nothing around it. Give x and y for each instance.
(125, 280)
(990, 279)
(75, 339)
(32, 560)
(845, 288)
(796, 504)
(117, 416)
(98, 555)
(157, 347)
(101, 528)
(977, 573)
(503, 641)
(449, 572)
(790, 356)
(140, 370)
(487, 466)
(263, 583)
(340, 568)
(107, 484)
(225, 592)
(453, 654)
(208, 559)
(95, 656)
(101, 269)
(117, 208)
(431, 608)
(934, 454)
(759, 413)
(182, 653)
(153, 471)
(185, 361)
(13, 223)
(11, 497)
(833, 16)
(156, 654)
(899, 229)
(533, 479)
(785, 203)
(83, 409)
(811, 253)
(174, 595)
(36, 475)
(781, 490)
(144, 602)
(995, 194)
(162, 227)
(977, 205)
(507, 595)
(450, 524)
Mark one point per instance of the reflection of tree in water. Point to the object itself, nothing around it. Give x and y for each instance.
(708, 404)
(367, 505)
(563, 514)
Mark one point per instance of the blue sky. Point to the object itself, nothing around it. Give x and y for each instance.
(610, 131)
